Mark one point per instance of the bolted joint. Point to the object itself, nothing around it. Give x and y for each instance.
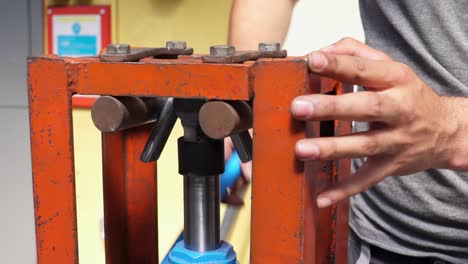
(222, 50)
(269, 46)
(118, 49)
(175, 44)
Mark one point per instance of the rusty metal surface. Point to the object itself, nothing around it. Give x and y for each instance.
(130, 199)
(284, 210)
(220, 119)
(343, 170)
(331, 239)
(110, 114)
(243, 56)
(52, 162)
(278, 202)
(136, 54)
(283, 200)
(167, 78)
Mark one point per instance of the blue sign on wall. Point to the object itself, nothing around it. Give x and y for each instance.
(76, 45)
(76, 35)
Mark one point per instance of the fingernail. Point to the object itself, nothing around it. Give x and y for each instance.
(317, 61)
(323, 202)
(328, 48)
(302, 108)
(307, 150)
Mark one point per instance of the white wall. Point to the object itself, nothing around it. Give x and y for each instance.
(318, 23)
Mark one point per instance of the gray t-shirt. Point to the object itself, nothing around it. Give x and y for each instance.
(425, 214)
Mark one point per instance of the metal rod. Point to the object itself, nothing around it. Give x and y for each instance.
(219, 119)
(201, 212)
(111, 114)
(160, 132)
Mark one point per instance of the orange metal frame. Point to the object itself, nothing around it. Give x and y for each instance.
(287, 227)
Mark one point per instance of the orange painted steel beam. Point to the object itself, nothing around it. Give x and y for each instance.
(85, 101)
(278, 202)
(182, 79)
(52, 162)
(342, 171)
(130, 199)
(331, 241)
(287, 227)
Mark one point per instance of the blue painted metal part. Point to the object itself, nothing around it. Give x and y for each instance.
(232, 172)
(223, 255)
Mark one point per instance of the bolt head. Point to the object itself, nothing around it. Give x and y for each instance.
(269, 46)
(175, 44)
(222, 50)
(118, 49)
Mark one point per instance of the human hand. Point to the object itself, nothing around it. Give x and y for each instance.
(410, 125)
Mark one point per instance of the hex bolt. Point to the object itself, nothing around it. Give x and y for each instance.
(222, 50)
(118, 49)
(269, 46)
(175, 44)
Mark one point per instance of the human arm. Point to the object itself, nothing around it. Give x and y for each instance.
(411, 127)
(254, 21)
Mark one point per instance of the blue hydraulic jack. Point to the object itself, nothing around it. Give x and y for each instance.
(223, 255)
(201, 161)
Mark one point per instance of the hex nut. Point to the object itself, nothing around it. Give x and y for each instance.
(118, 49)
(175, 44)
(267, 46)
(222, 50)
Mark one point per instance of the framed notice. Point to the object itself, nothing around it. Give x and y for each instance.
(78, 30)
(75, 31)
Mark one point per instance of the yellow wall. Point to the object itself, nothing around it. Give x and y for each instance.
(201, 23)
(88, 169)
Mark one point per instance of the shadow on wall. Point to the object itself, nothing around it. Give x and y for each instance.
(165, 7)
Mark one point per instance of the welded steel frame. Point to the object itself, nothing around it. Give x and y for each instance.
(287, 227)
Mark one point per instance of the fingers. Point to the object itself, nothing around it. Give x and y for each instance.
(353, 47)
(356, 145)
(371, 172)
(379, 74)
(361, 106)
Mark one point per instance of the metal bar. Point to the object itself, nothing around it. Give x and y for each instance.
(160, 132)
(243, 56)
(284, 211)
(343, 170)
(130, 198)
(112, 114)
(138, 53)
(142, 205)
(220, 119)
(330, 238)
(201, 212)
(280, 195)
(167, 79)
(243, 144)
(113, 173)
(52, 162)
